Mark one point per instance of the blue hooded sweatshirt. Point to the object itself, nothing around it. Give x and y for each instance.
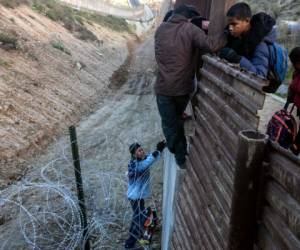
(253, 46)
(139, 176)
(259, 62)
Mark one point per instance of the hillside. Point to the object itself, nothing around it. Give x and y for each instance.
(53, 70)
(280, 9)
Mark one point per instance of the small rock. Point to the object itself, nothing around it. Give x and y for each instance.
(78, 66)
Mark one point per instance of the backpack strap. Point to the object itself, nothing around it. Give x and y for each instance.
(282, 122)
(270, 48)
(286, 105)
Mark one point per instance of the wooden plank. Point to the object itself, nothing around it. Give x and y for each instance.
(279, 230)
(286, 206)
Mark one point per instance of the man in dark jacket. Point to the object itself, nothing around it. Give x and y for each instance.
(249, 40)
(175, 43)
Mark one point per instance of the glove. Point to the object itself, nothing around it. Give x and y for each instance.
(161, 145)
(230, 55)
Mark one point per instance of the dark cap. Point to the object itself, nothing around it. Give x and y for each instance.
(188, 11)
(133, 147)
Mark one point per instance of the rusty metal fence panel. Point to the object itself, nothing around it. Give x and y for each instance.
(280, 222)
(227, 102)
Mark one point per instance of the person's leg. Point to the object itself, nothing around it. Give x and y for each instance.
(170, 109)
(180, 142)
(167, 110)
(136, 226)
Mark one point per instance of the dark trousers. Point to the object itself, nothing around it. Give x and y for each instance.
(137, 224)
(170, 109)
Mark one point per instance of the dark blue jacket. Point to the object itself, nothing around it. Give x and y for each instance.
(258, 63)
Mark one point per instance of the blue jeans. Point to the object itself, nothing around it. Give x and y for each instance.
(170, 109)
(137, 224)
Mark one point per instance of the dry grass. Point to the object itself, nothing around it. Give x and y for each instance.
(13, 3)
(72, 19)
(280, 9)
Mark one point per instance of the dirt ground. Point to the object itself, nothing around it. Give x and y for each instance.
(126, 114)
(43, 90)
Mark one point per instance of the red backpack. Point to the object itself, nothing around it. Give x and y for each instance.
(282, 128)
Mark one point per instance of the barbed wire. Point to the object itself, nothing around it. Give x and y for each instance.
(42, 211)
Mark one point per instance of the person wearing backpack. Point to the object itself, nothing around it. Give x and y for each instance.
(251, 44)
(294, 93)
(138, 187)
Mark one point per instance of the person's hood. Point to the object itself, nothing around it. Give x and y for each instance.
(262, 29)
(271, 36)
(262, 26)
(177, 18)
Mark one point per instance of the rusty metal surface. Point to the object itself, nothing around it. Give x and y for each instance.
(279, 231)
(217, 15)
(249, 162)
(227, 102)
(281, 217)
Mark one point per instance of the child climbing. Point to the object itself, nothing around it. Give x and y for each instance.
(139, 188)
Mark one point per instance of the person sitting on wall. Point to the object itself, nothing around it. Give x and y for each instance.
(138, 187)
(175, 43)
(247, 42)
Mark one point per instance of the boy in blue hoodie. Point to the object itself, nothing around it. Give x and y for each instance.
(249, 38)
(138, 186)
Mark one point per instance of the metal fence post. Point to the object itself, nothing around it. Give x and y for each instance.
(80, 194)
(249, 161)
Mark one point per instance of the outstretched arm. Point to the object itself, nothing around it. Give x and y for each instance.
(148, 162)
(259, 64)
(206, 43)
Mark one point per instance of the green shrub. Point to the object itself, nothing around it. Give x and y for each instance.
(9, 40)
(60, 46)
(13, 3)
(74, 20)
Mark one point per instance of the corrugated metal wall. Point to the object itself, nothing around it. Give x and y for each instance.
(227, 102)
(280, 220)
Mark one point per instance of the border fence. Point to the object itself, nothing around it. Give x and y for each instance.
(239, 190)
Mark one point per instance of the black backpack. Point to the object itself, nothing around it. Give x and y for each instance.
(282, 128)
